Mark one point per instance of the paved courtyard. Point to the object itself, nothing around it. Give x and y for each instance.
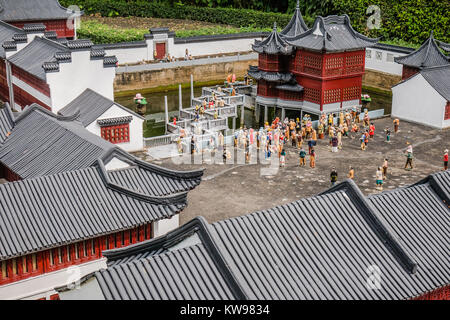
(233, 190)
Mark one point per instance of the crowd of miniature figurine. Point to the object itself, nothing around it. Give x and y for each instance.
(274, 138)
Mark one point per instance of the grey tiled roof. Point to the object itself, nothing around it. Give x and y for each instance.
(35, 54)
(439, 79)
(322, 247)
(31, 10)
(46, 52)
(291, 87)
(296, 26)
(273, 44)
(270, 76)
(42, 143)
(428, 55)
(7, 32)
(54, 210)
(91, 105)
(332, 34)
(6, 122)
(199, 279)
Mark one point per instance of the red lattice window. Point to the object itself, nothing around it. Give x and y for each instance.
(354, 63)
(116, 134)
(331, 96)
(352, 93)
(447, 111)
(312, 95)
(290, 95)
(269, 62)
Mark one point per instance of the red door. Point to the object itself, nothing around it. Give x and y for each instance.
(160, 50)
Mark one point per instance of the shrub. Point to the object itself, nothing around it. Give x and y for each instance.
(101, 33)
(140, 8)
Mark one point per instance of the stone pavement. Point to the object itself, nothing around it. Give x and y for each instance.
(233, 190)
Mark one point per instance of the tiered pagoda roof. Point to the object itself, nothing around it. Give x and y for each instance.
(332, 34)
(428, 55)
(444, 46)
(273, 44)
(258, 74)
(296, 26)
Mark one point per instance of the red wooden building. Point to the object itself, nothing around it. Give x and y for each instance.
(80, 195)
(316, 70)
(48, 12)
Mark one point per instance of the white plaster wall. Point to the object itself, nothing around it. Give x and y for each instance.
(75, 77)
(136, 128)
(383, 65)
(415, 100)
(89, 290)
(115, 164)
(331, 107)
(350, 103)
(129, 55)
(161, 227)
(212, 47)
(43, 285)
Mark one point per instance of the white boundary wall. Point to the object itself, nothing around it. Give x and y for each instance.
(383, 60)
(131, 53)
(417, 101)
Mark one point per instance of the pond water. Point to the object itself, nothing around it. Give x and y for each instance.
(156, 106)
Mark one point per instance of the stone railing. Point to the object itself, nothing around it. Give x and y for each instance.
(159, 141)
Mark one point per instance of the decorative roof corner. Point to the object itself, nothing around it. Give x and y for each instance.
(110, 61)
(50, 67)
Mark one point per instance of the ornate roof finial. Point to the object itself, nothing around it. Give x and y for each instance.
(298, 5)
(274, 26)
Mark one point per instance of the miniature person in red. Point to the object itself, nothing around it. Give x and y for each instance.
(446, 159)
(371, 130)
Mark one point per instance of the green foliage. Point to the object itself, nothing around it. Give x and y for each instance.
(141, 8)
(100, 33)
(408, 20)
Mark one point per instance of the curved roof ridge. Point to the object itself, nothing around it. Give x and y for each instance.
(427, 55)
(176, 198)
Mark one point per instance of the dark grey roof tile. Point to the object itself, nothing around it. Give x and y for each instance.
(324, 247)
(428, 55)
(6, 122)
(91, 105)
(439, 79)
(331, 34)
